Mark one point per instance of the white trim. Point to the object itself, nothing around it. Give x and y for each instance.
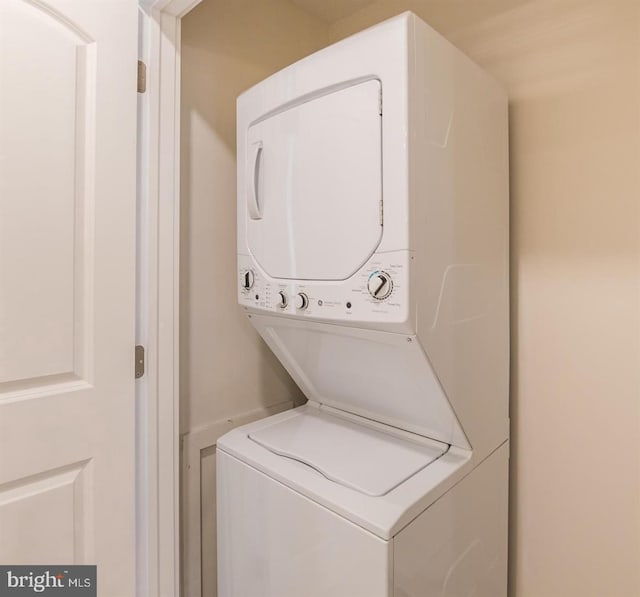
(159, 548)
(193, 444)
(146, 499)
(173, 8)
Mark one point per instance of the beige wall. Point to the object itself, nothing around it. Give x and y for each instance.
(572, 69)
(226, 48)
(226, 370)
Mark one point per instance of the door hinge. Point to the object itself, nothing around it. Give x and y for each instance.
(139, 367)
(142, 77)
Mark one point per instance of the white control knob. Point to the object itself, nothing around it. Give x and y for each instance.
(282, 300)
(380, 285)
(302, 301)
(248, 280)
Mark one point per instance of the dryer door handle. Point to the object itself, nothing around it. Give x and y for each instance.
(253, 192)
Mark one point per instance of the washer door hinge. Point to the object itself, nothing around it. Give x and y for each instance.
(139, 364)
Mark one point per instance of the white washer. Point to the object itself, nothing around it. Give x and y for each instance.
(373, 260)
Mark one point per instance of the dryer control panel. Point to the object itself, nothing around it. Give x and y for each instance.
(378, 292)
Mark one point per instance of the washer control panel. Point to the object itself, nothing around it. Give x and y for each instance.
(378, 292)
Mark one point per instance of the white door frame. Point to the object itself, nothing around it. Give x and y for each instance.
(159, 183)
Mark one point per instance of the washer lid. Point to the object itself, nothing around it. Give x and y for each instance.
(354, 455)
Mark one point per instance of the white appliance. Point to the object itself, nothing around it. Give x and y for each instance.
(373, 260)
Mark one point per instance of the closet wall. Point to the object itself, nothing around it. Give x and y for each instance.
(227, 374)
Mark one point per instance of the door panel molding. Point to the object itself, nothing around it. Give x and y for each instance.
(64, 502)
(51, 168)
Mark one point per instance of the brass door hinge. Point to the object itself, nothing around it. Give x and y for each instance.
(142, 77)
(139, 365)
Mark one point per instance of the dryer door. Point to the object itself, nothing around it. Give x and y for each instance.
(314, 185)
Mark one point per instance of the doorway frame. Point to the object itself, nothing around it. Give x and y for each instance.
(158, 432)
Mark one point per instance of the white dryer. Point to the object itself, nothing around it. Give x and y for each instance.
(373, 260)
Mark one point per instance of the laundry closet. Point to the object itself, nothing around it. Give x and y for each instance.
(228, 376)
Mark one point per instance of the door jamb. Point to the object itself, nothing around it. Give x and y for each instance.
(159, 481)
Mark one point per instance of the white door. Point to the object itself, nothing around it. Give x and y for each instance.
(67, 261)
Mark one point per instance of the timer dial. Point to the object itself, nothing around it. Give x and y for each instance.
(380, 285)
(282, 299)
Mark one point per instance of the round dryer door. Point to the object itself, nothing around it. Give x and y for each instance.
(314, 185)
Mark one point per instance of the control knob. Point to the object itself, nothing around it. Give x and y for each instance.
(302, 301)
(380, 285)
(282, 299)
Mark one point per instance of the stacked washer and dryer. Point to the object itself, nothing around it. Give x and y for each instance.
(373, 261)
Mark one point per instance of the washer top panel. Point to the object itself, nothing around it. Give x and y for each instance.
(363, 458)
